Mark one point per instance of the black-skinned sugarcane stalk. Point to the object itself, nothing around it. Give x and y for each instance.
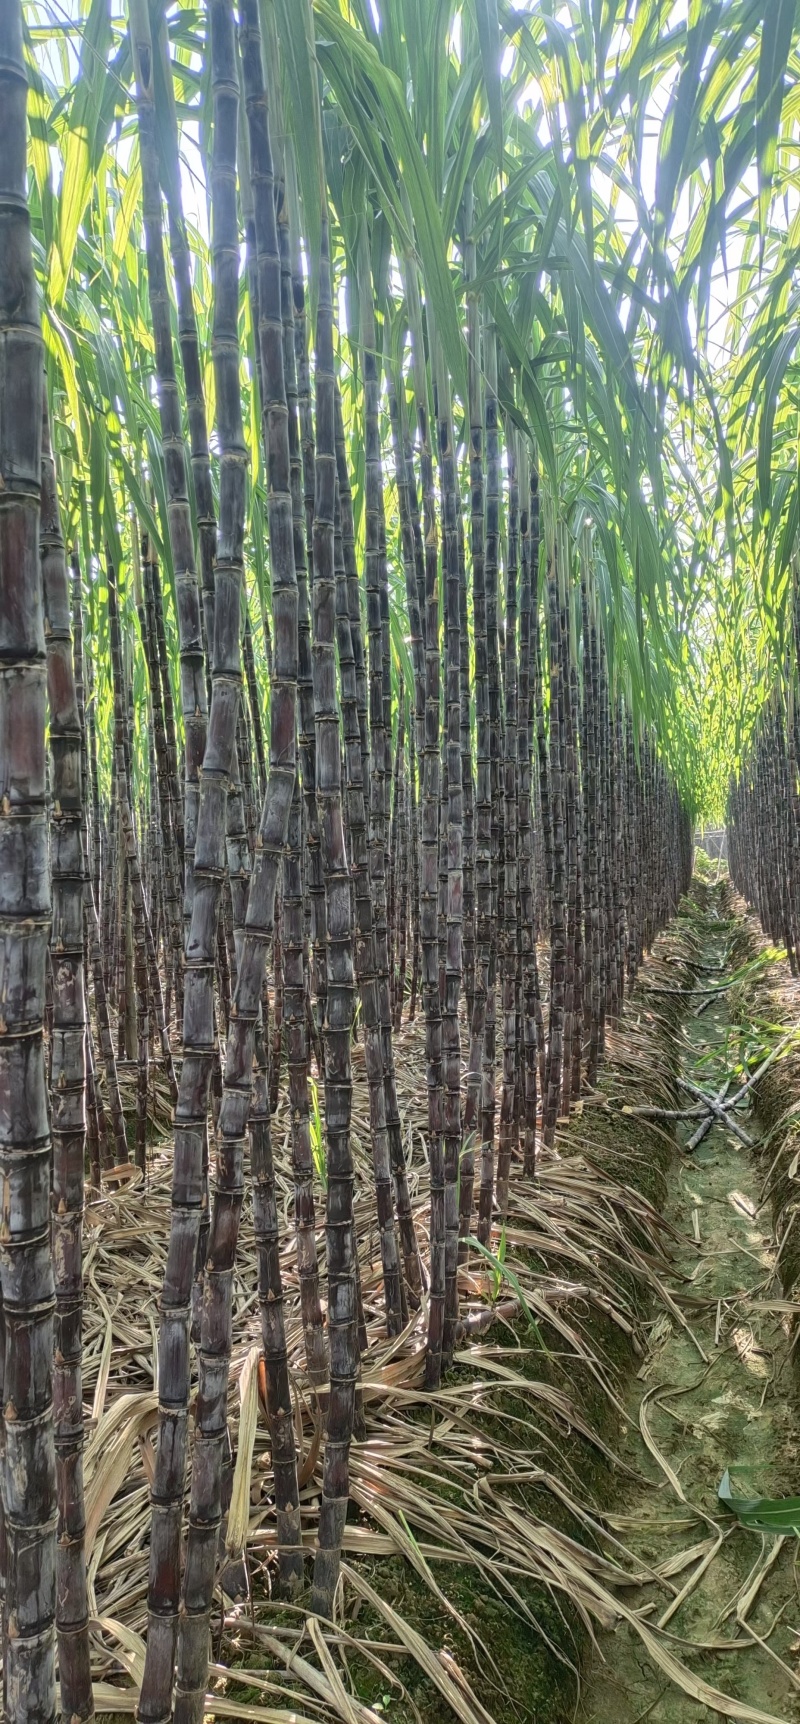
(552, 1094)
(430, 814)
(416, 524)
(394, 847)
(96, 1125)
(154, 881)
(97, 1149)
(305, 683)
(132, 865)
(606, 860)
(342, 1303)
(67, 1102)
(586, 771)
(261, 916)
(254, 697)
(172, 908)
(176, 788)
(294, 942)
(198, 436)
(541, 748)
(198, 1019)
(590, 680)
(249, 770)
(490, 569)
(93, 935)
(467, 776)
(170, 176)
(297, 1063)
(187, 592)
(414, 882)
(122, 936)
(28, 1530)
(276, 1033)
(530, 567)
(195, 400)
(402, 892)
(237, 845)
(365, 957)
(304, 405)
(247, 1036)
(121, 1150)
(395, 393)
(483, 796)
(353, 596)
(508, 945)
(442, 906)
(571, 1000)
(576, 1052)
(373, 503)
(127, 1041)
(377, 588)
(156, 1009)
(93, 816)
(304, 564)
(412, 1267)
(618, 882)
(451, 1037)
(429, 867)
(108, 864)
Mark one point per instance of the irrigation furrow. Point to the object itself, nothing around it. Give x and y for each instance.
(732, 1598)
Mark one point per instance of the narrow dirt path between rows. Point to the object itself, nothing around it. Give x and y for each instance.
(736, 1408)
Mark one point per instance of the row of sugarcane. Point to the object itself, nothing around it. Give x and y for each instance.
(564, 823)
(763, 814)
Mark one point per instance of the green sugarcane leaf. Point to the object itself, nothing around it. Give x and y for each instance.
(778, 1515)
(375, 105)
(489, 39)
(684, 111)
(296, 35)
(500, 1273)
(776, 41)
(563, 44)
(783, 354)
(83, 146)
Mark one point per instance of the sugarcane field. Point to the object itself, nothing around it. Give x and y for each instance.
(400, 861)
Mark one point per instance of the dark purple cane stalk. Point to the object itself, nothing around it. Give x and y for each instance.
(365, 956)
(189, 615)
(530, 980)
(490, 569)
(67, 1101)
(509, 949)
(342, 1305)
(451, 1037)
(26, 1268)
(555, 1047)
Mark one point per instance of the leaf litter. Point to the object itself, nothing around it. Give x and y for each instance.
(451, 1482)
